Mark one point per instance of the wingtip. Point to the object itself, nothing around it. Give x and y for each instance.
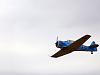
(53, 56)
(88, 35)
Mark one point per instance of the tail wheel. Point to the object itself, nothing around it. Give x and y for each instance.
(91, 52)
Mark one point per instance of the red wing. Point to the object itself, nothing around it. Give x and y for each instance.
(75, 45)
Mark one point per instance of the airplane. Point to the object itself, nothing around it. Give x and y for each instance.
(69, 46)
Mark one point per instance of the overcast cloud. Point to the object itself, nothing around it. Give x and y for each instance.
(28, 30)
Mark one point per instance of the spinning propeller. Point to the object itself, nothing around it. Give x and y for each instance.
(57, 42)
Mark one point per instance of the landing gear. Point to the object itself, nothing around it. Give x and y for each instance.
(91, 52)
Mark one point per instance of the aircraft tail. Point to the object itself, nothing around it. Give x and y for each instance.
(93, 45)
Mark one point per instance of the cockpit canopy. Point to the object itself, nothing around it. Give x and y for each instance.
(70, 41)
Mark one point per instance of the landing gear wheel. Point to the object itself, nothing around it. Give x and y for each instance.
(91, 52)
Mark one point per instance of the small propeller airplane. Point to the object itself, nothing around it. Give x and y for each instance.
(70, 46)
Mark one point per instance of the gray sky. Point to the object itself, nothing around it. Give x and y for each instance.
(28, 31)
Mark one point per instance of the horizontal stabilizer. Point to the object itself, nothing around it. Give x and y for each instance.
(94, 46)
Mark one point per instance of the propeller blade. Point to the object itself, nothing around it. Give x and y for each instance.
(57, 42)
(57, 39)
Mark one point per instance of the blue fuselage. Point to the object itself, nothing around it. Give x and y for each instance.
(62, 44)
